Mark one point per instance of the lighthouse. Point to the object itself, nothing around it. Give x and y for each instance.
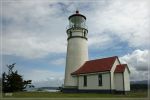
(105, 75)
(77, 48)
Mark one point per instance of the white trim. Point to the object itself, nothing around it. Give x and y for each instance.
(92, 73)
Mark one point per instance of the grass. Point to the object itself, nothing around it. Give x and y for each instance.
(132, 94)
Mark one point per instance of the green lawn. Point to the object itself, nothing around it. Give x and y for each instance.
(133, 94)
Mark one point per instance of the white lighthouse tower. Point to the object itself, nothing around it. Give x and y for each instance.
(77, 48)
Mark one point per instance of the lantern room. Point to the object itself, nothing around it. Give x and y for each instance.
(77, 21)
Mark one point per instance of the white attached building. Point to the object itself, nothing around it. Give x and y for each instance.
(103, 75)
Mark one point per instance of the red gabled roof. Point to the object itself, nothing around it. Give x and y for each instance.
(120, 68)
(98, 65)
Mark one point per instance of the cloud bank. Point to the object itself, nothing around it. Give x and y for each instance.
(138, 62)
(34, 30)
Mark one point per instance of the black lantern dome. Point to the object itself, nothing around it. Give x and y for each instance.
(77, 20)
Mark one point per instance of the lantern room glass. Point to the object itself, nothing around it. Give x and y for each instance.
(77, 22)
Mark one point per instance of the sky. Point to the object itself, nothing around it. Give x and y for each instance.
(33, 35)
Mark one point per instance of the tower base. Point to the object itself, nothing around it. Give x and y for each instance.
(76, 90)
(69, 90)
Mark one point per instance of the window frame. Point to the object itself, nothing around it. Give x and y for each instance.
(100, 82)
(85, 80)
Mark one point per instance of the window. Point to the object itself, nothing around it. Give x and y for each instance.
(84, 33)
(85, 81)
(70, 33)
(100, 79)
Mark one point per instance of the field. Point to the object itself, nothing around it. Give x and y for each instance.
(79, 96)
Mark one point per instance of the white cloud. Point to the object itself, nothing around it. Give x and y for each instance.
(32, 47)
(31, 31)
(127, 19)
(99, 40)
(60, 61)
(36, 29)
(138, 62)
(139, 59)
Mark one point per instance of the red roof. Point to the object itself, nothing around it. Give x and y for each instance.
(120, 68)
(98, 65)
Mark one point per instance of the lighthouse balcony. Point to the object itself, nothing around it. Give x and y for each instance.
(76, 27)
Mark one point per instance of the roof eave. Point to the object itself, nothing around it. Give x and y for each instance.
(90, 73)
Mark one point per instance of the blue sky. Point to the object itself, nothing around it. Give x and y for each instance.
(34, 35)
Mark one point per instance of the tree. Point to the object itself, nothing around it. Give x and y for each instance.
(12, 81)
